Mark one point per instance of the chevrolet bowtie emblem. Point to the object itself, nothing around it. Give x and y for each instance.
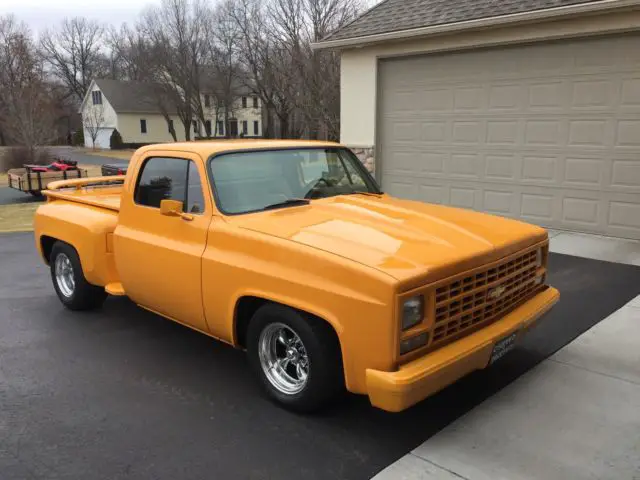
(496, 293)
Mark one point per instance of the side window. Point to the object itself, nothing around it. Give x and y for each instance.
(161, 179)
(194, 202)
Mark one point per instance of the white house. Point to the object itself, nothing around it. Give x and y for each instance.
(137, 112)
(528, 109)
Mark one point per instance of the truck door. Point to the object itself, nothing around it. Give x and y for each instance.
(159, 257)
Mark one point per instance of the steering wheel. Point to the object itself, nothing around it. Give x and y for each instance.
(313, 188)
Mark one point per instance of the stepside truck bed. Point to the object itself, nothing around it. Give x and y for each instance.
(102, 192)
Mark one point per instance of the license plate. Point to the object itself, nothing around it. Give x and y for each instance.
(502, 347)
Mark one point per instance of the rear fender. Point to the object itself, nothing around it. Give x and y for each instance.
(85, 228)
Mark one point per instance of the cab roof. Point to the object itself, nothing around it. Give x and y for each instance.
(210, 147)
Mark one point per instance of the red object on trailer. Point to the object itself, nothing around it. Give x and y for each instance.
(58, 165)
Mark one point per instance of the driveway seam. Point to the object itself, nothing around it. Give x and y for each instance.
(594, 371)
(439, 466)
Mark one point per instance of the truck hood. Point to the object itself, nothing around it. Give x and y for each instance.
(402, 238)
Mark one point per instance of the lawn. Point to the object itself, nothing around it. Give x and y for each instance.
(121, 154)
(17, 217)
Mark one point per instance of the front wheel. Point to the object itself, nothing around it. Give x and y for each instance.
(72, 287)
(295, 356)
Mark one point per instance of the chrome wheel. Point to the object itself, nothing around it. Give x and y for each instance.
(283, 358)
(64, 275)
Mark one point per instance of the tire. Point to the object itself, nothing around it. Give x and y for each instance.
(72, 287)
(318, 348)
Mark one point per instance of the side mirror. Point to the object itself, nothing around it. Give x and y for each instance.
(173, 208)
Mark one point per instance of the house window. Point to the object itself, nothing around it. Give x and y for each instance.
(96, 97)
(170, 124)
(143, 125)
(245, 127)
(255, 102)
(256, 128)
(207, 128)
(244, 102)
(195, 126)
(207, 101)
(220, 127)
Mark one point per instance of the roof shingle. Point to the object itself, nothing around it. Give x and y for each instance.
(132, 97)
(397, 15)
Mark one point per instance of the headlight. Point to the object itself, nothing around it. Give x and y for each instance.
(539, 258)
(412, 312)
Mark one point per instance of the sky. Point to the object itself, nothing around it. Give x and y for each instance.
(39, 14)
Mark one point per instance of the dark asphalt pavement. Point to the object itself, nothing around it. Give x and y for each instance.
(123, 394)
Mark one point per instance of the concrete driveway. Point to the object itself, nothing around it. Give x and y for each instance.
(122, 393)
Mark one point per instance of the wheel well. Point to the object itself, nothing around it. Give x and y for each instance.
(47, 245)
(247, 307)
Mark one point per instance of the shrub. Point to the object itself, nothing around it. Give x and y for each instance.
(16, 157)
(78, 138)
(115, 141)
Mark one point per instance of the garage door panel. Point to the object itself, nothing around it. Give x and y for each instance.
(630, 92)
(549, 133)
(626, 174)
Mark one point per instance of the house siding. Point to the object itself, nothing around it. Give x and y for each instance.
(238, 113)
(110, 120)
(157, 128)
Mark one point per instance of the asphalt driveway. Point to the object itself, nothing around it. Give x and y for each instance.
(122, 393)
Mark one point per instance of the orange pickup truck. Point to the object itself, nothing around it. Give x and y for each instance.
(289, 250)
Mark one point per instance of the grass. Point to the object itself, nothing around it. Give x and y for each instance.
(121, 154)
(17, 217)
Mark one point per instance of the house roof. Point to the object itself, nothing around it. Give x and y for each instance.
(142, 97)
(132, 97)
(398, 15)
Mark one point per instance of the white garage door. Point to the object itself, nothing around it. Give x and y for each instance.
(103, 139)
(549, 133)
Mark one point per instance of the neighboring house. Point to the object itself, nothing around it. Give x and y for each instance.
(528, 109)
(133, 108)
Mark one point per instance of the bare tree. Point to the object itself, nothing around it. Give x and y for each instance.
(74, 52)
(175, 32)
(93, 121)
(27, 101)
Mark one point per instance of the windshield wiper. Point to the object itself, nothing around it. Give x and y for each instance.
(290, 202)
(370, 194)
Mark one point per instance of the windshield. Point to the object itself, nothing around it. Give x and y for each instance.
(258, 180)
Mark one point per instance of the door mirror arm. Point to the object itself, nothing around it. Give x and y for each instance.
(174, 208)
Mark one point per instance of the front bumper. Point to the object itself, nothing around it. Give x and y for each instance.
(416, 380)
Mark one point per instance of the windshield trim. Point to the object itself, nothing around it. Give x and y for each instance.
(366, 176)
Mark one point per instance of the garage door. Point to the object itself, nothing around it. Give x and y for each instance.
(549, 133)
(103, 139)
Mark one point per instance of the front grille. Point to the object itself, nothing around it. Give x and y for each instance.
(465, 304)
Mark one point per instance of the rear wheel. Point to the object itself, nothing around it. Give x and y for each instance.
(69, 282)
(295, 356)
